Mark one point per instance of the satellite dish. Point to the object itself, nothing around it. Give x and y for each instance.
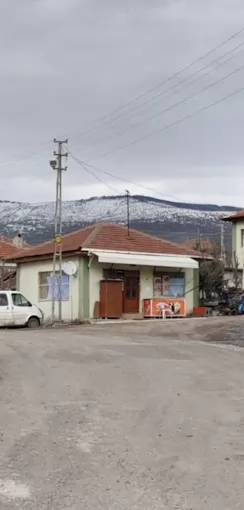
(69, 268)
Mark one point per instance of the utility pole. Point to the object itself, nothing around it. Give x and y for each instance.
(57, 255)
(128, 211)
(222, 244)
(198, 243)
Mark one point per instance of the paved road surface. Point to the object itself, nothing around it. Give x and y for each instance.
(121, 418)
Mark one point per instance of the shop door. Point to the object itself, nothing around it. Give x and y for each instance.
(131, 292)
(111, 299)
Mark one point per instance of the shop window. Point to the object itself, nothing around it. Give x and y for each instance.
(169, 285)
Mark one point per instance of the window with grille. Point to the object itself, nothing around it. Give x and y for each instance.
(113, 274)
(49, 286)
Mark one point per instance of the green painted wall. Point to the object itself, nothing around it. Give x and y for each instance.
(84, 297)
(196, 287)
(237, 242)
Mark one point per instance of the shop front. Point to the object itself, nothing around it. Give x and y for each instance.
(168, 296)
(144, 290)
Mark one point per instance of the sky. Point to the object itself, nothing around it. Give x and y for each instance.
(101, 73)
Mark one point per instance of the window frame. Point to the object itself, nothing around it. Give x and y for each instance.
(160, 276)
(48, 287)
(242, 237)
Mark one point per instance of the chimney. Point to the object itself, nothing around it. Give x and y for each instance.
(18, 241)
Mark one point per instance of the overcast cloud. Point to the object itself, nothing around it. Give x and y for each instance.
(67, 63)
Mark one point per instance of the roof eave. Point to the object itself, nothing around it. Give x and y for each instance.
(102, 250)
(230, 219)
(203, 257)
(233, 219)
(36, 258)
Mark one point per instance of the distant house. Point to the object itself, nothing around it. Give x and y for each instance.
(237, 262)
(232, 273)
(237, 221)
(10, 248)
(108, 272)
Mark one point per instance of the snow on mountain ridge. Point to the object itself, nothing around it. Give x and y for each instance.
(36, 220)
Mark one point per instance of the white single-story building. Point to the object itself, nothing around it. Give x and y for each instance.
(109, 272)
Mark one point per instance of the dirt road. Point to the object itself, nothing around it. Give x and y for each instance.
(122, 417)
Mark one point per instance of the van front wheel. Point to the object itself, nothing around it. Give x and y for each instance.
(33, 323)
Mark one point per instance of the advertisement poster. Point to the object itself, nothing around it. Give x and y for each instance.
(157, 286)
(171, 307)
(166, 285)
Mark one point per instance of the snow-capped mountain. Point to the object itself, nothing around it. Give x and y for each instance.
(176, 221)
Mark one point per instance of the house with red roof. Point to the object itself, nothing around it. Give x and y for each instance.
(237, 221)
(10, 248)
(110, 272)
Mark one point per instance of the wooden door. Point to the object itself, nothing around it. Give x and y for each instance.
(131, 292)
(111, 302)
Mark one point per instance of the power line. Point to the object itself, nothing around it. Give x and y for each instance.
(109, 217)
(106, 117)
(140, 96)
(171, 107)
(143, 94)
(169, 126)
(22, 157)
(94, 175)
(171, 94)
(127, 181)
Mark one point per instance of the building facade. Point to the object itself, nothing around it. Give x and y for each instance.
(237, 221)
(113, 275)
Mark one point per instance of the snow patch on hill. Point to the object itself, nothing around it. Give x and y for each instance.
(37, 219)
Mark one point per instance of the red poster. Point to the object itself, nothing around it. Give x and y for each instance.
(157, 307)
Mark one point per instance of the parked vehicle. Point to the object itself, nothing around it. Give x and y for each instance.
(16, 310)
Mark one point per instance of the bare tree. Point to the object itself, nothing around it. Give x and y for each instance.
(237, 272)
(211, 274)
(211, 269)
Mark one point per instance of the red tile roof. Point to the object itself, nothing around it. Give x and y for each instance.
(8, 249)
(108, 237)
(115, 237)
(234, 217)
(71, 243)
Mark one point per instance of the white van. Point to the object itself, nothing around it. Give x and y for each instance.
(16, 310)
